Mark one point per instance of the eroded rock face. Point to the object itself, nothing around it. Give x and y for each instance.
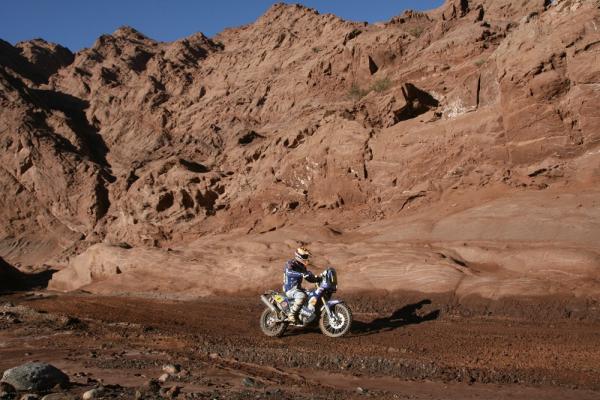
(47, 58)
(297, 117)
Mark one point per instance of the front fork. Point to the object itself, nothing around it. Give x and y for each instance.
(330, 315)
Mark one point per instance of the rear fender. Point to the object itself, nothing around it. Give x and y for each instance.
(280, 301)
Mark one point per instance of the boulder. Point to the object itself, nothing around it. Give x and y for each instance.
(35, 376)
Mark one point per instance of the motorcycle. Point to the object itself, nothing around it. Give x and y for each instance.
(334, 316)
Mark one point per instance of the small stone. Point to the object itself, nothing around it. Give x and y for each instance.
(173, 391)
(163, 378)
(247, 381)
(171, 369)
(184, 373)
(58, 396)
(57, 388)
(138, 395)
(70, 322)
(152, 386)
(92, 394)
(361, 390)
(91, 381)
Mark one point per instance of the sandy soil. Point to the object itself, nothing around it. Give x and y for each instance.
(414, 352)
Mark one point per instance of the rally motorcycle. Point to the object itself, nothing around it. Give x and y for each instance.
(334, 316)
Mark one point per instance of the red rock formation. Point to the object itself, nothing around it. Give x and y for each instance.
(297, 117)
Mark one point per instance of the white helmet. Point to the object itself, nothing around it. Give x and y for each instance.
(302, 255)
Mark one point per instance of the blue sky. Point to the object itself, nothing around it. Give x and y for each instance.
(77, 23)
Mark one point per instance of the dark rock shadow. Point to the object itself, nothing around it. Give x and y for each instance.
(11, 58)
(12, 280)
(74, 108)
(417, 102)
(406, 315)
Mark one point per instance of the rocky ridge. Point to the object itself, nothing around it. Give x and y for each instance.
(248, 142)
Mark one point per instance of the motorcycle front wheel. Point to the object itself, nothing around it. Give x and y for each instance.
(340, 325)
(269, 324)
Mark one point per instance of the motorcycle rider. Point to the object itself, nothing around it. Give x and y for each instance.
(295, 271)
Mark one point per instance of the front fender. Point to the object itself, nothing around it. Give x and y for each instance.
(331, 303)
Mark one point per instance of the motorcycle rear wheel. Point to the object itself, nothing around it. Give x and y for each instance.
(332, 329)
(269, 324)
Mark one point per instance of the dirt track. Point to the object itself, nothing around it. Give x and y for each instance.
(414, 352)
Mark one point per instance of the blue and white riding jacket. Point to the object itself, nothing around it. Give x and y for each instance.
(294, 273)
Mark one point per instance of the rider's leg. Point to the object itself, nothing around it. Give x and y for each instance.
(299, 296)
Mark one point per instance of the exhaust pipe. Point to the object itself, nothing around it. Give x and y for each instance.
(268, 303)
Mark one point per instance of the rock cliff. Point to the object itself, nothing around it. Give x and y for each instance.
(453, 148)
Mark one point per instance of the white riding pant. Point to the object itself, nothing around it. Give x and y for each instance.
(298, 295)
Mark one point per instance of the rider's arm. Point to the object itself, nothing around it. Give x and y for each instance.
(310, 277)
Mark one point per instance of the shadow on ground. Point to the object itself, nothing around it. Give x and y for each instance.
(407, 315)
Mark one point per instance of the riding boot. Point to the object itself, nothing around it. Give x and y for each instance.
(294, 311)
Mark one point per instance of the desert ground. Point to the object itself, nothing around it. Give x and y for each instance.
(446, 163)
(413, 351)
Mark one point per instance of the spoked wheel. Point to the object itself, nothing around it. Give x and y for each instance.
(269, 324)
(339, 325)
